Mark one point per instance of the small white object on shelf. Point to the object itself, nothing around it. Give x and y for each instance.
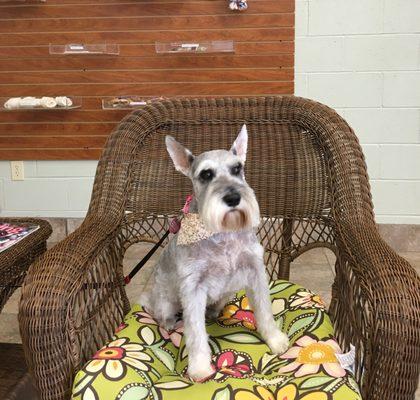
(25, 102)
(12, 103)
(64, 101)
(127, 102)
(80, 48)
(239, 5)
(48, 102)
(214, 46)
(40, 103)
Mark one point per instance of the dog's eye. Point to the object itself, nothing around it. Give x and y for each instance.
(206, 175)
(236, 170)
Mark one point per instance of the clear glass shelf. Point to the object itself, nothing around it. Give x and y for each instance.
(215, 46)
(127, 102)
(40, 103)
(80, 48)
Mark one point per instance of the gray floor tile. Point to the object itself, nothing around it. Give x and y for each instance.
(133, 292)
(133, 255)
(413, 257)
(50, 245)
(9, 328)
(143, 276)
(73, 224)
(331, 259)
(139, 250)
(315, 256)
(12, 305)
(59, 227)
(401, 237)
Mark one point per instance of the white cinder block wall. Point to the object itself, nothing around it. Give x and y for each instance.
(361, 57)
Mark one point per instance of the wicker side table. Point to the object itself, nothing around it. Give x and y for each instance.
(15, 381)
(15, 261)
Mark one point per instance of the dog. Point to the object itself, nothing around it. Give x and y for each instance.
(215, 253)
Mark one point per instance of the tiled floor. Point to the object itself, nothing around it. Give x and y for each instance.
(314, 270)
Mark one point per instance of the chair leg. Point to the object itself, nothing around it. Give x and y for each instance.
(286, 242)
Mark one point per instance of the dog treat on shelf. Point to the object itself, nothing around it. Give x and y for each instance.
(63, 101)
(82, 48)
(22, 102)
(48, 102)
(45, 102)
(12, 103)
(127, 102)
(215, 46)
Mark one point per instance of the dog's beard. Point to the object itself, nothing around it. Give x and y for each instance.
(218, 217)
(235, 220)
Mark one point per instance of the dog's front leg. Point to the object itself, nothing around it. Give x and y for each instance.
(199, 354)
(259, 296)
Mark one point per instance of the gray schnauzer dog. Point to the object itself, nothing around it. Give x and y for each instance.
(199, 276)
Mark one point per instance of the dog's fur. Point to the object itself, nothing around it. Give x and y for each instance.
(191, 278)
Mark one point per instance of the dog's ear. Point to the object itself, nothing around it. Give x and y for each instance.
(240, 144)
(181, 156)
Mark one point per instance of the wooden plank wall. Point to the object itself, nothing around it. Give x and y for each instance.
(261, 65)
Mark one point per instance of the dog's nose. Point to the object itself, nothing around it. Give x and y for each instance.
(232, 199)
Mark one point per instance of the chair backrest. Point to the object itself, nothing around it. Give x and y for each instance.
(281, 155)
(303, 163)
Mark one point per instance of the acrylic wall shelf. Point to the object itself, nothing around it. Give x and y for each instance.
(80, 48)
(46, 103)
(127, 102)
(215, 46)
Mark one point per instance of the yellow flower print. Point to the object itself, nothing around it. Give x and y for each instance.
(238, 314)
(113, 359)
(259, 393)
(310, 355)
(305, 299)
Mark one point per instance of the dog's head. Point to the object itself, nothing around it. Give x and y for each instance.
(224, 200)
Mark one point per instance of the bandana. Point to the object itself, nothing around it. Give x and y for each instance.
(192, 228)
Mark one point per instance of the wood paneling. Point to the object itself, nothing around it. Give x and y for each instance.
(169, 62)
(262, 63)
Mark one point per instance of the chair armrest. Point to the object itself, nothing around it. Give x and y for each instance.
(72, 301)
(376, 306)
(15, 260)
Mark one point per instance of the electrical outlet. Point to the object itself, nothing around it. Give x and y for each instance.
(17, 170)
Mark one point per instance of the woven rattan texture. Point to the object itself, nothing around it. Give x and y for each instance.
(15, 261)
(309, 175)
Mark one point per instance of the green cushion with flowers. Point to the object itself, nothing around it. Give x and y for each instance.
(144, 361)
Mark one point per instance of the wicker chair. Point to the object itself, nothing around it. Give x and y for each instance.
(309, 174)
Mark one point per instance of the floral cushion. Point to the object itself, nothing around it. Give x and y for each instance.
(144, 361)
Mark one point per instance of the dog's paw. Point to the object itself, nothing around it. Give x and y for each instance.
(200, 368)
(200, 374)
(278, 342)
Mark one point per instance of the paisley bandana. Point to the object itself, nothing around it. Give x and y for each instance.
(192, 230)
